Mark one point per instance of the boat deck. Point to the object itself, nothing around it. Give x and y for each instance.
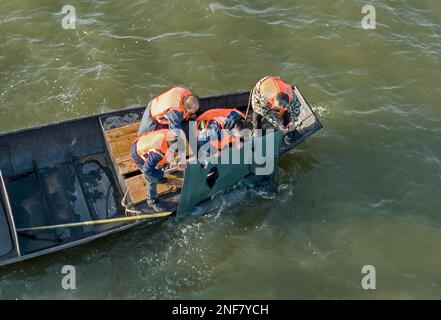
(74, 191)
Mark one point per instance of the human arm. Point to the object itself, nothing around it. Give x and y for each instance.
(294, 112)
(149, 167)
(210, 134)
(261, 107)
(175, 119)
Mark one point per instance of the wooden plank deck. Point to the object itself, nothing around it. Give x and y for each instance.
(119, 141)
(138, 190)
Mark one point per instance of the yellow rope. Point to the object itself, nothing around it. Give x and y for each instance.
(127, 218)
(93, 222)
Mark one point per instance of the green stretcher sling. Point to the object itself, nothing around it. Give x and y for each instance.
(201, 183)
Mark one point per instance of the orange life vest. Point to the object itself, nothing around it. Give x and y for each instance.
(220, 116)
(173, 99)
(271, 86)
(154, 141)
(225, 140)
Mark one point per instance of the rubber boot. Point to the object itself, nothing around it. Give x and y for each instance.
(155, 205)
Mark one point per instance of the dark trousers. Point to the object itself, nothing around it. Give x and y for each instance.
(148, 124)
(152, 182)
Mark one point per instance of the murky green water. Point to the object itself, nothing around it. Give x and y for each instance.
(365, 190)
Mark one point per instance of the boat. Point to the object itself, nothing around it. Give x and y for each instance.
(68, 183)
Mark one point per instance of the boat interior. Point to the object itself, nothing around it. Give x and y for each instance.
(80, 170)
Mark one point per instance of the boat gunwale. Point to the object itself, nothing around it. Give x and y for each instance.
(9, 215)
(98, 115)
(78, 242)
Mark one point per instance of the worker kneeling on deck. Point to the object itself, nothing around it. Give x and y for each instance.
(275, 105)
(221, 128)
(152, 153)
(169, 110)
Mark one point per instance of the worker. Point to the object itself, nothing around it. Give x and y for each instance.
(275, 105)
(169, 110)
(220, 127)
(152, 153)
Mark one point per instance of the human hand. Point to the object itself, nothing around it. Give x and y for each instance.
(291, 126)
